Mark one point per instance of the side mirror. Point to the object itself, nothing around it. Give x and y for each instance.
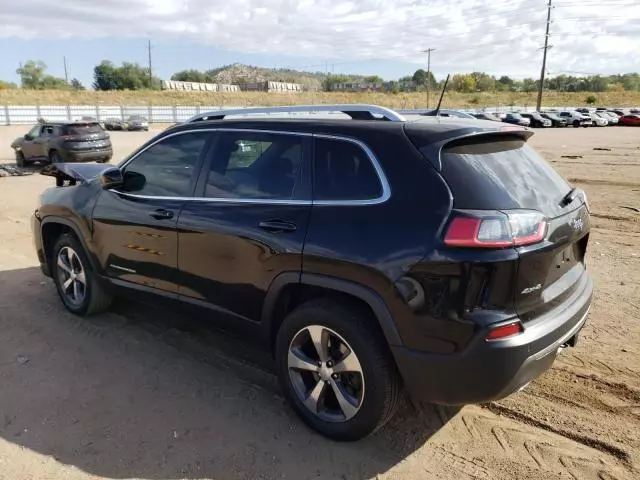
(28, 137)
(111, 178)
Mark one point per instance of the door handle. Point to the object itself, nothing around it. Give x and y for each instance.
(277, 226)
(161, 214)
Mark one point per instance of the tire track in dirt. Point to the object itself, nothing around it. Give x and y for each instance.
(542, 451)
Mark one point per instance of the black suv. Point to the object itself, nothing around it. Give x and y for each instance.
(81, 141)
(373, 254)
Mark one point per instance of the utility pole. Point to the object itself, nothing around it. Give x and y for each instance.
(66, 74)
(428, 52)
(150, 71)
(544, 58)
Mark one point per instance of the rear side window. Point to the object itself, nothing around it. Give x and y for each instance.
(83, 129)
(254, 165)
(343, 171)
(498, 173)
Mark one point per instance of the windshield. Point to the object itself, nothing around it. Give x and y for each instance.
(496, 173)
(83, 129)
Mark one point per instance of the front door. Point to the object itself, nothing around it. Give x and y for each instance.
(250, 221)
(32, 143)
(135, 226)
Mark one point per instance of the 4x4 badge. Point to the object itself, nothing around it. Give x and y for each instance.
(577, 224)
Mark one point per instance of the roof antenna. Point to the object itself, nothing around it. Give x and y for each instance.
(444, 89)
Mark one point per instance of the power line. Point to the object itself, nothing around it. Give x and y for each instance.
(544, 58)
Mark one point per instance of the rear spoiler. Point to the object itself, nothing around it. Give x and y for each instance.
(72, 173)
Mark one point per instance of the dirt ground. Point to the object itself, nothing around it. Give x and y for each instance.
(145, 393)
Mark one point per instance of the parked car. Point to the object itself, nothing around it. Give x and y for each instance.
(612, 118)
(620, 111)
(537, 120)
(597, 120)
(556, 120)
(136, 122)
(516, 119)
(486, 116)
(63, 142)
(634, 111)
(576, 118)
(114, 124)
(468, 301)
(630, 120)
(446, 113)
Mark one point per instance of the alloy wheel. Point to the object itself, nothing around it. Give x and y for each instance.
(71, 276)
(326, 374)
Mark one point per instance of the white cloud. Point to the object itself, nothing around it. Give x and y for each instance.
(499, 36)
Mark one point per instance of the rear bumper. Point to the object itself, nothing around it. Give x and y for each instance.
(91, 156)
(487, 371)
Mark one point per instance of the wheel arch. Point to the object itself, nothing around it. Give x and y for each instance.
(51, 229)
(291, 289)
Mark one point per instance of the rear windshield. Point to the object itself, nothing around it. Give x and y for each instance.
(83, 129)
(501, 173)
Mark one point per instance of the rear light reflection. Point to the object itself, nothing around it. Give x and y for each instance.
(505, 331)
(496, 229)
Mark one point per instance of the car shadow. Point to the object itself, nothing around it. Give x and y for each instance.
(144, 391)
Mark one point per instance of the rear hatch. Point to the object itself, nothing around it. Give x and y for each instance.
(499, 176)
(87, 136)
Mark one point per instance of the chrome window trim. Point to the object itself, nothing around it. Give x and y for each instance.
(386, 188)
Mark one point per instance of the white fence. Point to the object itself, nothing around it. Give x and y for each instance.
(29, 114)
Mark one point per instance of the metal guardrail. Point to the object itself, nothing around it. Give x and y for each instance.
(29, 114)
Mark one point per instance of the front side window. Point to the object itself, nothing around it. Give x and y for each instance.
(34, 132)
(168, 168)
(254, 165)
(343, 171)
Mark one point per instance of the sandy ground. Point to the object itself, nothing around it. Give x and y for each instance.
(144, 393)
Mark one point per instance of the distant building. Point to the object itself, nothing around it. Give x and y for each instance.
(272, 87)
(357, 87)
(198, 87)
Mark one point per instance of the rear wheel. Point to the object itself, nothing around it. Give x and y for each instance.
(76, 282)
(335, 369)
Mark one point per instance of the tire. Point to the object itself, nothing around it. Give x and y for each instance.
(21, 162)
(576, 123)
(54, 157)
(79, 298)
(372, 393)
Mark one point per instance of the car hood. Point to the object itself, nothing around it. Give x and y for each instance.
(74, 172)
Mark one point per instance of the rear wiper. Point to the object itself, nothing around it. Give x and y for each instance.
(569, 197)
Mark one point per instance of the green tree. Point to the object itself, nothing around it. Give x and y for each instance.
(32, 73)
(191, 76)
(331, 80)
(76, 84)
(128, 76)
(421, 76)
(591, 100)
(373, 79)
(463, 83)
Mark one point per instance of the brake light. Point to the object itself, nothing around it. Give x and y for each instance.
(505, 331)
(495, 229)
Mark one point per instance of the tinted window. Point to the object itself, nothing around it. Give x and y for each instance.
(343, 171)
(167, 168)
(83, 129)
(497, 173)
(255, 166)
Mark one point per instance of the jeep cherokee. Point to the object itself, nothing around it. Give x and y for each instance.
(376, 254)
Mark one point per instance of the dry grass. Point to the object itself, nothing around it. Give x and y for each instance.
(402, 100)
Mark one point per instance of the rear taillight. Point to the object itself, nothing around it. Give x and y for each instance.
(495, 229)
(504, 331)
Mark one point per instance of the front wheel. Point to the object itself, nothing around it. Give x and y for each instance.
(21, 162)
(54, 157)
(576, 124)
(335, 369)
(75, 280)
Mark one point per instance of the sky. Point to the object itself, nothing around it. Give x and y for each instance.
(384, 37)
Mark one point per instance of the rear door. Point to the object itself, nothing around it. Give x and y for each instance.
(249, 223)
(505, 174)
(135, 233)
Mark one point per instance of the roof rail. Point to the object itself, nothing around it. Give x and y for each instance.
(355, 111)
